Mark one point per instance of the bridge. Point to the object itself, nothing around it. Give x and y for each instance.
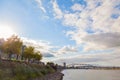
(81, 66)
(87, 66)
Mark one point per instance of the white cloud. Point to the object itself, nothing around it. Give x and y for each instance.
(67, 49)
(40, 5)
(102, 16)
(77, 7)
(58, 13)
(94, 3)
(42, 46)
(95, 17)
(100, 59)
(70, 19)
(96, 28)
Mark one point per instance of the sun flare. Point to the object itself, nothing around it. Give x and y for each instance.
(6, 31)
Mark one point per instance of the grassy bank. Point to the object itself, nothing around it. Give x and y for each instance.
(12, 70)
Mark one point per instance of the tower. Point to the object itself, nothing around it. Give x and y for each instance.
(64, 65)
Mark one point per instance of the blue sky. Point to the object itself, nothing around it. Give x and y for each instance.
(66, 30)
(33, 22)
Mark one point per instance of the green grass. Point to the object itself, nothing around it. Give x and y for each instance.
(11, 70)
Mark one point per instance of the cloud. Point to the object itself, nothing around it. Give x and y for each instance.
(57, 12)
(47, 50)
(40, 5)
(99, 59)
(67, 49)
(77, 7)
(42, 46)
(94, 25)
(107, 39)
(70, 19)
(48, 55)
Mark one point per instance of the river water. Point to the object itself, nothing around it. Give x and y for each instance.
(79, 74)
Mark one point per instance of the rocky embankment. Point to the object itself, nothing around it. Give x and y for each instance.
(17, 70)
(53, 76)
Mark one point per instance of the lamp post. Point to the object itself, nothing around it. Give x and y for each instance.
(22, 51)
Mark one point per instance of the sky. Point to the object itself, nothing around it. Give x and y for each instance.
(71, 31)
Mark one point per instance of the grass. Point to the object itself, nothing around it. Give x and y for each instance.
(11, 70)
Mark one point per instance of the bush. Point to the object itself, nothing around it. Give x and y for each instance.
(11, 70)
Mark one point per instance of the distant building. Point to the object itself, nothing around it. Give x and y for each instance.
(64, 65)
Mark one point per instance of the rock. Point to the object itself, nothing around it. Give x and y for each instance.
(54, 76)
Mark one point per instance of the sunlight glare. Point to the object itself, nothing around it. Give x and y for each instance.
(6, 31)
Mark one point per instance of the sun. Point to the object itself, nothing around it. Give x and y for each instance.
(6, 31)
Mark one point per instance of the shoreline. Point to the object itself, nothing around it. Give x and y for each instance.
(53, 76)
(15, 70)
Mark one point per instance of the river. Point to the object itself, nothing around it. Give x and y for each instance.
(79, 74)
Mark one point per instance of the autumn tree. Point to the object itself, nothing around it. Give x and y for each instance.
(30, 54)
(37, 56)
(13, 46)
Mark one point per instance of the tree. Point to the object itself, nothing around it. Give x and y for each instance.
(1, 46)
(28, 52)
(51, 64)
(13, 46)
(37, 56)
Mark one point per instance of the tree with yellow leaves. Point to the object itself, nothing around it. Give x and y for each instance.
(30, 54)
(13, 46)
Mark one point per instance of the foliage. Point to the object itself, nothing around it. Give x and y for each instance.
(1, 44)
(30, 54)
(37, 56)
(50, 63)
(12, 46)
(22, 71)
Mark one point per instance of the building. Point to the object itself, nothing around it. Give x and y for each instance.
(64, 65)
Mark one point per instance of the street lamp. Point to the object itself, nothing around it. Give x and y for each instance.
(22, 51)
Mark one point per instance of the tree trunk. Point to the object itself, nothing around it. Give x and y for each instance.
(9, 56)
(0, 58)
(17, 57)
